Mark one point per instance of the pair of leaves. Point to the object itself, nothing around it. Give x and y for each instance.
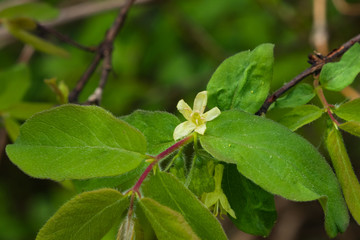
(20, 20)
(277, 160)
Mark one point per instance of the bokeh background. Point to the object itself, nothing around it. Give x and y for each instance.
(166, 51)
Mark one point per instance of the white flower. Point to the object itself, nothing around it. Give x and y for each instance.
(196, 118)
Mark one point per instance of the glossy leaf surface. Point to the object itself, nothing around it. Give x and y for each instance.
(167, 190)
(338, 75)
(278, 160)
(87, 216)
(77, 142)
(166, 222)
(254, 208)
(344, 171)
(243, 80)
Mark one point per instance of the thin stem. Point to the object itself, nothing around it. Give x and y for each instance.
(321, 96)
(173, 159)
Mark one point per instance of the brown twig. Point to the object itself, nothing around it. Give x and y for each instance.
(104, 51)
(317, 61)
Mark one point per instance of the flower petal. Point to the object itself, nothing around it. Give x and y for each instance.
(183, 129)
(201, 129)
(200, 102)
(211, 114)
(184, 109)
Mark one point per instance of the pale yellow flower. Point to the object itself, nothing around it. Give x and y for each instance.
(196, 118)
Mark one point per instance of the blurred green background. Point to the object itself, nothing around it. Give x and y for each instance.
(166, 51)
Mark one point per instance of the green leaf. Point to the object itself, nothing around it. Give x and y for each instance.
(37, 11)
(158, 128)
(167, 223)
(300, 116)
(349, 111)
(279, 161)
(12, 127)
(24, 110)
(254, 208)
(243, 80)
(121, 182)
(299, 95)
(167, 190)
(344, 171)
(14, 83)
(351, 127)
(77, 142)
(36, 42)
(87, 216)
(336, 76)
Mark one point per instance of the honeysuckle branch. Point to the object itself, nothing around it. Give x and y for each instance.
(317, 61)
(104, 51)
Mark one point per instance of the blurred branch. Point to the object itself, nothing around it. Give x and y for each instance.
(73, 13)
(351, 9)
(320, 36)
(317, 61)
(104, 51)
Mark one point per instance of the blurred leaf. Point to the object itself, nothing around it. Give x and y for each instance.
(25, 110)
(344, 171)
(299, 95)
(12, 127)
(77, 142)
(167, 190)
(36, 10)
(23, 23)
(300, 116)
(38, 43)
(254, 208)
(349, 111)
(278, 160)
(351, 127)
(167, 223)
(243, 80)
(338, 75)
(158, 128)
(61, 90)
(87, 216)
(14, 82)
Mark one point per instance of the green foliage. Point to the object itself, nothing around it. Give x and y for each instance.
(299, 95)
(36, 10)
(254, 208)
(344, 171)
(168, 191)
(157, 127)
(243, 80)
(88, 216)
(292, 168)
(336, 76)
(300, 116)
(63, 145)
(349, 111)
(351, 127)
(167, 223)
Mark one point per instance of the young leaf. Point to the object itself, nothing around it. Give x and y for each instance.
(76, 142)
(158, 128)
(12, 127)
(254, 208)
(13, 85)
(300, 116)
(277, 160)
(167, 223)
(338, 75)
(201, 179)
(36, 42)
(299, 95)
(35, 10)
(243, 80)
(351, 127)
(87, 216)
(24, 110)
(344, 171)
(349, 111)
(168, 191)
